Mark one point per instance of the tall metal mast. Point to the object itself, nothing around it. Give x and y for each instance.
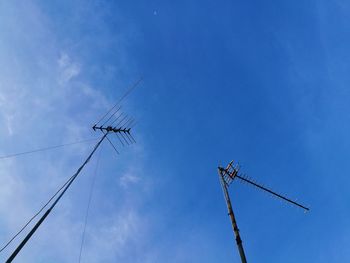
(113, 122)
(232, 217)
(106, 131)
(226, 176)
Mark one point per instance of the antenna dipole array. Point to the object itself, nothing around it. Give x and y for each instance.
(227, 176)
(119, 124)
(232, 172)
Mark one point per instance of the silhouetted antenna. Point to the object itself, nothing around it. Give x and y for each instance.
(122, 129)
(48, 211)
(227, 176)
(232, 172)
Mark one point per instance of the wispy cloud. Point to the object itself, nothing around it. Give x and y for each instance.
(128, 179)
(68, 68)
(45, 99)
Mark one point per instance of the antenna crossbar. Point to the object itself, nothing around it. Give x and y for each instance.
(119, 130)
(111, 129)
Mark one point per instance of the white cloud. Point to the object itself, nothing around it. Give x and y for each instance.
(68, 68)
(9, 118)
(11, 193)
(110, 239)
(129, 178)
(6, 110)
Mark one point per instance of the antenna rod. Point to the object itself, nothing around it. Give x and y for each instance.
(29, 235)
(271, 192)
(233, 219)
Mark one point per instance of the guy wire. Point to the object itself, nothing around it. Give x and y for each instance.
(46, 148)
(50, 199)
(48, 211)
(89, 202)
(36, 214)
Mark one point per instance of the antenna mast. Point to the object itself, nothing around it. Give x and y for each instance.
(105, 130)
(226, 176)
(121, 128)
(224, 186)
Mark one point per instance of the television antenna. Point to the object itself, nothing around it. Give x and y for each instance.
(226, 177)
(111, 125)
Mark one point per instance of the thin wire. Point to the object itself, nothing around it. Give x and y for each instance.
(37, 213)
(48, 202)
(123, 97)
(89, 203)
(112, 145)
(37, 225)
(46, 148)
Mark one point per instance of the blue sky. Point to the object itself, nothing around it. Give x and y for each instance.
(264, 83)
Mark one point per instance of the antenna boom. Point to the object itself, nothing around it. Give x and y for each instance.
(271, 192)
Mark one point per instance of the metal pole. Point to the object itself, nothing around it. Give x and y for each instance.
(29, 235)
(233, 219)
